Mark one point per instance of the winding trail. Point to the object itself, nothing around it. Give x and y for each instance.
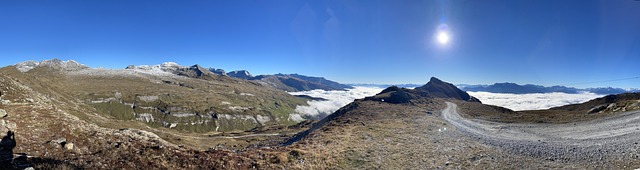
(620, 125)
(602, 140)
(246, 136)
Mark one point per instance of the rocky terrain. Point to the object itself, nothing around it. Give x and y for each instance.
(63, 115)
(424, 129)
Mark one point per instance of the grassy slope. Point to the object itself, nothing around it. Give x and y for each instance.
(562, 114)
(194, 96)
(73, 93)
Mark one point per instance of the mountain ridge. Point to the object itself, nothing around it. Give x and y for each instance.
(287, 82)
(514, 88)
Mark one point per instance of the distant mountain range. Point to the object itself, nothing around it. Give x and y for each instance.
(291, 82)
(385, 85)
(530, 88)
(516, 88)
(286, 82)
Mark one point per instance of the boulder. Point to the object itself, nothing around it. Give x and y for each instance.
(3, 113)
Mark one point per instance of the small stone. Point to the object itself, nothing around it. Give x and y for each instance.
(3, 113)
(68, 146)
(29, 168)
(59, 140)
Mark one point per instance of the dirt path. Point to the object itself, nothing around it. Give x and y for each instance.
(603, 140)
(246, 136)
(616, 126)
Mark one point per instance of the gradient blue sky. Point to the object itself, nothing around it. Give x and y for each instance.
(547, 42)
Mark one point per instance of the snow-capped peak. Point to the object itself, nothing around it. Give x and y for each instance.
(166, 67)
(68, 65)
(170, 64)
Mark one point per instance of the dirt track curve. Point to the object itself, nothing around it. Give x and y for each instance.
(588, 140)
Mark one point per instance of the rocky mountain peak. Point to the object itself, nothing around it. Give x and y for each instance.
(195, 71)
(218, 71)
(435, 88)
(166, 67)
(241, 74)
(438, 88)
(69, 65)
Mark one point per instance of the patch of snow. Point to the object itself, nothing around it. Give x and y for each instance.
(238, 108)
(145, 117)
(246, 94)
(69, 65)
(159, 69)
(148, 98)
(263, 119)
(182, 114)
(103, 100)
(242, 117)
(296, 117)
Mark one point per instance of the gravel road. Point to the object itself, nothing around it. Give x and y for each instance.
(601, 140)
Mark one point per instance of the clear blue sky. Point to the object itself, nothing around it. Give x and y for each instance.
(545, 42)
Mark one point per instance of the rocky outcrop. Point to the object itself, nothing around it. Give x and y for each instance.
(241, 74)
(218, 71)
(195, 71)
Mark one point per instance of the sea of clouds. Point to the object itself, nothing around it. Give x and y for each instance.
(335, 100)
(339, 98)
(532, 101)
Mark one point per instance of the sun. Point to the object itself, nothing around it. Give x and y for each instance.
(443, 37)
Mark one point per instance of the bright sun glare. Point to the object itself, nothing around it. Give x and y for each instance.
(443, 37)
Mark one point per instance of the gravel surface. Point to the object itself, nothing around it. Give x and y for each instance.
(597, 141)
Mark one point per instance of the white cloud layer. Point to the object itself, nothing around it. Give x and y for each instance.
(335, 100)
(532, 101)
